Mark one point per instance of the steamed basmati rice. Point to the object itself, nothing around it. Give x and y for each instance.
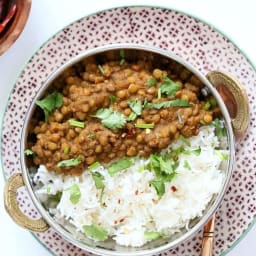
(131, 205)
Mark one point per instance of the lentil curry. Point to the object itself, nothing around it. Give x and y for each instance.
(116, 109)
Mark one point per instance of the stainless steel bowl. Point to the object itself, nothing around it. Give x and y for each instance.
(233, 102)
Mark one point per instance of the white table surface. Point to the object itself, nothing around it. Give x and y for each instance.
(236, 19)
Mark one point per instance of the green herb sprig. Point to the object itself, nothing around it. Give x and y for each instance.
(49, 103)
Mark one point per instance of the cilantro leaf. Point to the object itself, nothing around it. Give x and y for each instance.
(49, 103)
(159, 187)
(151, 82)
(187, 165)
(98, 180)
(184, 140)
(136, 106)
(93, 166)
(120, 165)
(111, 118)
(66, 150)
(169, 103)
(75, 193)
(168, 87)
(122, 56)
(221, 155)
(103, 113)
(112, 98)
(114, 121)
(95, 232)
(152, 235)
(132, 117)
(219, 127)
(28, 152)
(207, 105)
(163, 166)
(69, 162)
(196, 152)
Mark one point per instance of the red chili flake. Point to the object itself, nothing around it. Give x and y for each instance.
(131, 133)
(115, 222)
(173, 188)
(154, 201)
(119, 201)
(121, 220)
(136, 192)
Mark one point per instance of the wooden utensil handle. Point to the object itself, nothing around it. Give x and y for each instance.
(208, 235)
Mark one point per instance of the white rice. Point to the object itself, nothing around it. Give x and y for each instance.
(129, 197)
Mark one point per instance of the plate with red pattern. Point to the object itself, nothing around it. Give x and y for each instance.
(193, 40)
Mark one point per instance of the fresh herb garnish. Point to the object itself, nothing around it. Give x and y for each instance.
(66, 150)
(163, 166)
(75, 123)
(69, 162)
(28, 152)
(168, 87)
(219, 127)
(141, 168)
(151, 82)
(48, 190)
(169, 103)
(132, 116)
(213, 102)
(184, 140)
(102, 71)
(120, 165)
(112, 98)
(95, 232)
(101, 197)
(136, 106)
(111, 118)
(93, 166)
(187, 165)
(152, 235)
(207, 105)
(196, 152)
(221, 155)
(145, 126)
(159, 187)
(49, 103)
(75, 193)
(122, 56)
(98, 180)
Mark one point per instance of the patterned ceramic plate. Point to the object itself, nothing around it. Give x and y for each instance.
(191, 39)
